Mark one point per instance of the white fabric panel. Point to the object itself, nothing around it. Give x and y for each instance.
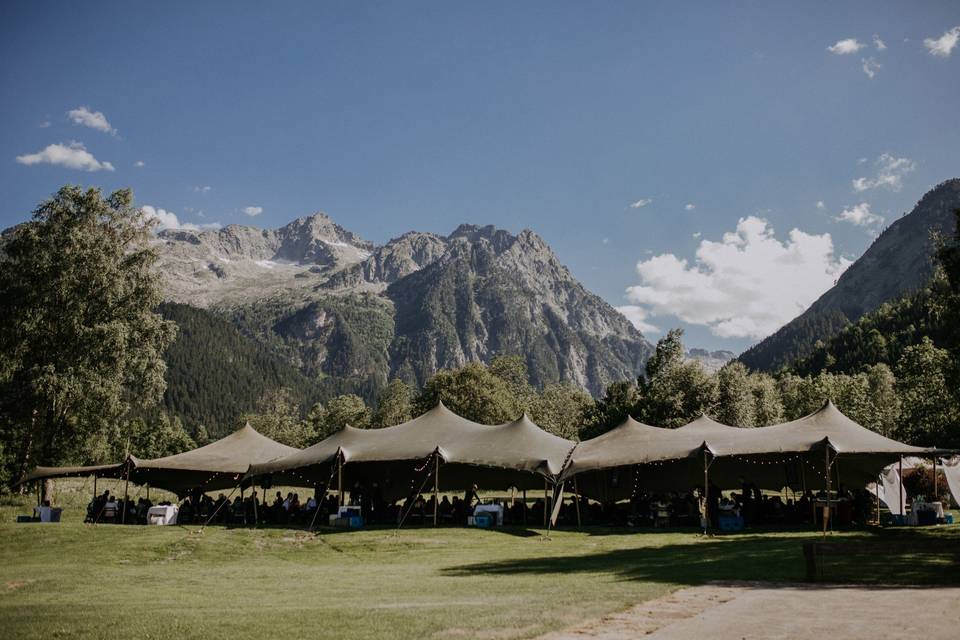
(951, 469)
(891, 490)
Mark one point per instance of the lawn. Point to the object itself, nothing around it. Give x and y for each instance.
(76, 580)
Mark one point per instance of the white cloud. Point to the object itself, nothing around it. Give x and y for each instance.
(605, 241)
(72, 156)
(253, 211)
(860, 215)
(696, 235)
(871, 67)
(747, 285)
(44, 125)
(638, 318)
(846, 47)
(890, 172)
(203, 189)
(689, 206)
(168, 220)
(641, 203)
(879, 43)
(93, 119)
(944, 45)
(820, 204)
(139, 164)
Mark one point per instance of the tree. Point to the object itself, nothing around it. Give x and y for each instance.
(394, 405)
(348, 409)
(736, 404)
(278, 418)
(80, 342)
(562, 409)
(767, 405)
(472, 392)
(156, 438)
(929, 413)
(513, 371)
(674, 392)
(619, 401)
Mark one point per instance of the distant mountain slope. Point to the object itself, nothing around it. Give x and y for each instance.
(215, 373)
(897, 263)
(351, 315)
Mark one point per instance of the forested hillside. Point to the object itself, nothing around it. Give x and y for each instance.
(898, 263)
(215, 373)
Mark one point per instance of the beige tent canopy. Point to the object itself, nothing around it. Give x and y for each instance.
(218, 465)
(793, 454)
(518, 454)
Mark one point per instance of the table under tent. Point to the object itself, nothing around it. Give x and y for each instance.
(438, 451)
(820, 451)
(216, 466)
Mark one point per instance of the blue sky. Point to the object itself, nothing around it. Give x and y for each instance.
(554, 116)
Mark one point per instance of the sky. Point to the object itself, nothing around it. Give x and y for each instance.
(713, 166)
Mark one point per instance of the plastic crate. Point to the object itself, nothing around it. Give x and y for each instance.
(483, 521)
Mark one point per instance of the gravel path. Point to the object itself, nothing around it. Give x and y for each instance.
(795, 612)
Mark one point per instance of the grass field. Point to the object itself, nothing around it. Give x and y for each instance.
(76, 580)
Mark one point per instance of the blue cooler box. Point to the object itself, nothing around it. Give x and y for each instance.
(483, 521)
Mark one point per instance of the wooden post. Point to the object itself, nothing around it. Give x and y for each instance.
(94, 486)
(826, 471)
(576, 500)
(126, 493)
(340, 479)
(546, 500)
(879, 484)
(436, 486)
(934, 478)
(903, 497)
(706, 493)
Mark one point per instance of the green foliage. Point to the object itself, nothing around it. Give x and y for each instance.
(80, 343)
(345, 410)
(163, 436)
(215, 373)
(736, 404)
(473, 392)
(278, 417)
(394, 405)
(562, 409)
(929, 406)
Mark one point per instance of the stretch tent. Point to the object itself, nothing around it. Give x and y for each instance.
(455, 451)
(795, 454)
(218, 465)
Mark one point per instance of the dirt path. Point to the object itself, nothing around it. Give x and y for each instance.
(795, 612)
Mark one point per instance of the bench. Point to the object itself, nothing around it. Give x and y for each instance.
(813, 552)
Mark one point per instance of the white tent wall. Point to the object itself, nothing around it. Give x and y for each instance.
(951, 470)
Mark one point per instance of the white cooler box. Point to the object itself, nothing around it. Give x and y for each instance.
(162, 515)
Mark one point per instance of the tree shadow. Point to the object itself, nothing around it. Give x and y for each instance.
(764, 558)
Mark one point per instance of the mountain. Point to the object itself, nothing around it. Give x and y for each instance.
(712, 361)
(215, 373)
(350, 315)
(899, 262)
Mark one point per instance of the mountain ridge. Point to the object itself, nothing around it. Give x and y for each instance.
(897, 263)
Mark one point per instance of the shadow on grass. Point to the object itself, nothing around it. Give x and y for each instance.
(768, 558)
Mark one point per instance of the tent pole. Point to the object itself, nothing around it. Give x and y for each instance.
(826, 470)
(148, 491)
(934, 478)
(546, 501)
(340, 479)
(126, 493)
(94, 486)
(576, 498)
(256, 516)
(436, 486)
(903, 498)
(706, 489)
(879, 484)
(524, 507)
